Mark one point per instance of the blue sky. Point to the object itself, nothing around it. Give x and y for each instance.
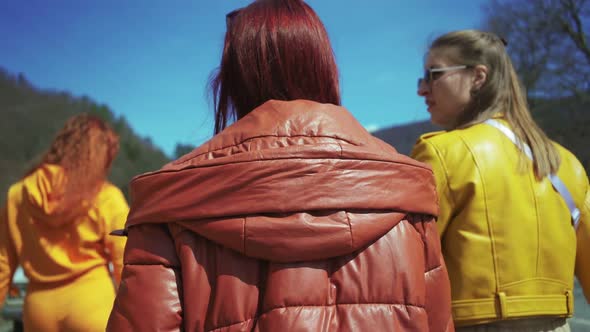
(150, 60)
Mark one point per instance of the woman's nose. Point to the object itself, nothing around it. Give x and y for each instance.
(423, 88)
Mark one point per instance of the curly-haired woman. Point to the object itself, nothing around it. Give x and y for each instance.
(55, 224)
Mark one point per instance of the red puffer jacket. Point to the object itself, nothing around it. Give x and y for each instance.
(292, 219)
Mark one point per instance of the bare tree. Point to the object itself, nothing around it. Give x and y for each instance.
(548, 42)
(574, 14)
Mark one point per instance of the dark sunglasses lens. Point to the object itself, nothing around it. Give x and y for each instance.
(435, 75)
(424, 79)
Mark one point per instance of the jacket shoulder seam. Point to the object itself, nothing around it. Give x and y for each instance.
(432, 134)
(445, 169)
(378, 160)
(338, 139)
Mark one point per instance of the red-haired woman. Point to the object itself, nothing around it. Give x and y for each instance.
(294, 218)
(56, 225)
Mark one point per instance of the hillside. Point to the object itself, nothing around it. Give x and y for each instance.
(566, 121)
(403, 137)
(33, 116)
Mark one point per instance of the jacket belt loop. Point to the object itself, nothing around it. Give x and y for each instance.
(569, 302)
(501, 305)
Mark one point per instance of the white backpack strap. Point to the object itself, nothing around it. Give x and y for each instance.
(510, 134)
(558, 185)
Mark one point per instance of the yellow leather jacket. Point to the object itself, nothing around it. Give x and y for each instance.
(507, 238)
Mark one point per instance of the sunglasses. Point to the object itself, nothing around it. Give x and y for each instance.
(432, 74)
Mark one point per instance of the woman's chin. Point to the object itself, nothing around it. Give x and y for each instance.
(434, 120)
(438, 122)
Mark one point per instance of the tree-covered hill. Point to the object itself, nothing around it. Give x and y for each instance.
(32, 117)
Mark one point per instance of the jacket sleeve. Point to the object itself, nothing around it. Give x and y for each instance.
(438, 286)
(149, 297)
(8, 256)
(583, 246)
(114, 210)
(426, 152)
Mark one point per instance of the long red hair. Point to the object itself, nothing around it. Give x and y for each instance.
(274, 49)
(85, 148)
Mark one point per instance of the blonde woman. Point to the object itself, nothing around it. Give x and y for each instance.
(514, 206)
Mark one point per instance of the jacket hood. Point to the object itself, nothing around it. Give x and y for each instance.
(42, 194)
(290, 181)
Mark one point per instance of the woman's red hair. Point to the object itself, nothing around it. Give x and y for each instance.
(85, 148)
(274, 49)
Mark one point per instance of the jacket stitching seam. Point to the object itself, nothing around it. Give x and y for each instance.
(537, 217)
(313, 306)
(539, 279)
(264, 136)
(434, 268)
(232, 324)
(350, 228)
(376, 160)
(342, 304)
(444, 167)
(488, 222)
(244, 236)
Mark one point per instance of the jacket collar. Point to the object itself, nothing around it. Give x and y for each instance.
(294, 167)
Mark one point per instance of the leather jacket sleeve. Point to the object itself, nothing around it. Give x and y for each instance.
(583, 247)
(8, 255)
(114, 210)
(148, 298)
(438, 288)
(426, 152)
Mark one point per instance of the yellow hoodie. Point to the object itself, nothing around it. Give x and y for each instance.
(49, 248)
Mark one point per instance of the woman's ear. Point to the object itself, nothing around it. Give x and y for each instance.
(480, 77)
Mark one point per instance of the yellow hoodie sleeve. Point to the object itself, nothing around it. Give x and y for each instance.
(8, 256)
(583, 246)
(426, 152)
(114, 210)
